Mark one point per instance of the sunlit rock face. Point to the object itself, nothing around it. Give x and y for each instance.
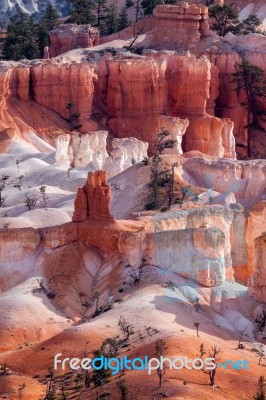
(167, 90)
(93, 200)
(257, 282)
(125, 153)
(17, 247)
(211, 135)
(90, 150)
(132, 96)
(79, 150)
(67, 37)
(65, 89)
(178, 27)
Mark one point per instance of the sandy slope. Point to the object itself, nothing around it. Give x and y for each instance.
(166, 314)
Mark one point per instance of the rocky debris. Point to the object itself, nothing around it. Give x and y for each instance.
(67, 37)
(257, 282)
(93, 200)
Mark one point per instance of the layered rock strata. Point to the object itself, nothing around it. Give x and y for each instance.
(257, 282)
(179, 27)
(67, 37)
(93, 200)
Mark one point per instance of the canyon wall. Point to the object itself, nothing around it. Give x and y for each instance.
(55, 85)
(137, 96)
(227, 55)
(164, 84)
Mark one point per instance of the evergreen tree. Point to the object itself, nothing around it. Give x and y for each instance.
(149, 5)
(22, 38)
(42, 37)
(100, 376)
(123, 21)
(101, 11)
(82, 12)
(138, 12)
(171, 1)
(251, 24)
(46, 24)
(226, 18)
(260, 395)
(50, 16)
(250, 79)
(111, 20)
(129, 3)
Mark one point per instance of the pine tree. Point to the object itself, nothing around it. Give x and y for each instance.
(46, 24)
(250, 79)
(22, 38)
(129, 3)
(101, 11)
(82, 12)
(50, 16)
(226, 18)
(111, 21)
(123, 20)
(43, 37)
(260, 395)
(149, 5)
(251, 24)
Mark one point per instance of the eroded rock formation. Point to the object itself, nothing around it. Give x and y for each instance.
(179, 27)
(93, 200)
(164, 86)
(257, 282)
(125, 153)
(211, 135)
(67, 37)
(78, 150)
(227, 54)
(57, 85)
(90, 150)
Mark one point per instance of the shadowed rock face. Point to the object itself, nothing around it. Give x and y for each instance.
(93, 200)
(257, 282)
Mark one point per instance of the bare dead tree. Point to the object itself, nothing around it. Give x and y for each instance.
(171, 185)
(240, 345)
(197, 324)
(214, 354)
(160, 348)
(49, 293)
(125, 327)
(135, 38)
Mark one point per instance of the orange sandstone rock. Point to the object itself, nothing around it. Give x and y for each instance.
(67, 37)
(257, 282)
(56, 85)
(179, 27)
(93, 200)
